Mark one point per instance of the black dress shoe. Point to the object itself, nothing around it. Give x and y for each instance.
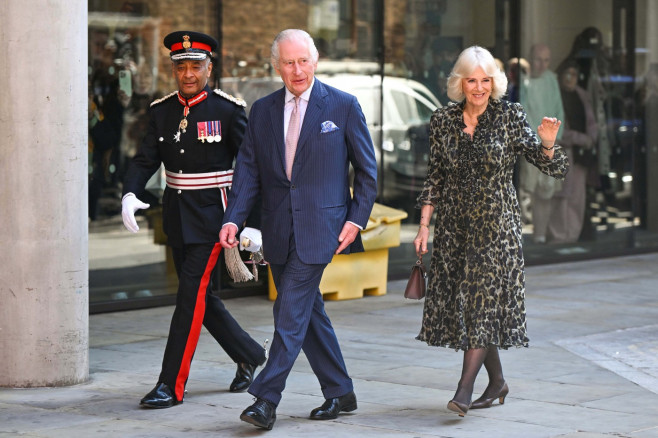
(243, 377)
(160, 397)
(333, 406)
(261, 414)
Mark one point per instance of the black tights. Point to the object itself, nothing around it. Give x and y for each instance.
(473, 360)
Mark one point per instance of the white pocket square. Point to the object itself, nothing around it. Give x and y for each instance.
(328, 126)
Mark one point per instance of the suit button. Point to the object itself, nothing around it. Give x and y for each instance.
(182, 151)
(180, 191)
(293, 187)
(161, 139)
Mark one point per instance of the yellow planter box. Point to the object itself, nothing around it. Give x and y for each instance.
(351, 276)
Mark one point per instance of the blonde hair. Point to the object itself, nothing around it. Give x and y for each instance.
(470, 59)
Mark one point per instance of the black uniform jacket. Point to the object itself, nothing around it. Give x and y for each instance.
(189, 216)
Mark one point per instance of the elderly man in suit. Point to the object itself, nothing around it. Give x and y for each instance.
(296, 153)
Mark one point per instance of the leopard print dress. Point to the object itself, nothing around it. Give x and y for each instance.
(476, 292)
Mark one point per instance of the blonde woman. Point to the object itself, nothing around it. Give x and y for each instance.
(476, 294)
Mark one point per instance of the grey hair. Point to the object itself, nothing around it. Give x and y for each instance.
(293, 34)
(470, 59)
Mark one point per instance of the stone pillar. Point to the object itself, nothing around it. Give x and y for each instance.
(44, 277)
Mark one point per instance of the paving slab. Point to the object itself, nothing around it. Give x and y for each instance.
(591, 370)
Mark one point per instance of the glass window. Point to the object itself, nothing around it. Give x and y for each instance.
(608, 203)
(599, 66)
(395, 56)
(346, 34)
(425, 110)
(403, 104)
(128, 69)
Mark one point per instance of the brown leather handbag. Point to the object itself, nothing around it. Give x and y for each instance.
(417, 281)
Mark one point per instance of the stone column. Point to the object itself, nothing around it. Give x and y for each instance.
(44, 280)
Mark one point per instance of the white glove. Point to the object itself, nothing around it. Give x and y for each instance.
(251, 239)
(129, 205)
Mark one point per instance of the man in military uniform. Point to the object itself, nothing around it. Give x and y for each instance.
(196, 133)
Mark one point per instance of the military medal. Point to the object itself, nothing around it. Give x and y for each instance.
(211, 132)
(217, 130)
(182, 126)
(202, 131)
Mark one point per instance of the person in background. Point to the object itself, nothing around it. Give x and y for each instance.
(195, 132)
(107, 105)
(444, 53)
(579, 141)
(475, 299)
(540, 96)
(136, 119)
(516, 68)
(297, 152)
(594, 71)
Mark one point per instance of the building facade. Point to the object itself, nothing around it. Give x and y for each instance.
(395, 56)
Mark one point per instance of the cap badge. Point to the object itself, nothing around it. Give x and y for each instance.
(186, 42)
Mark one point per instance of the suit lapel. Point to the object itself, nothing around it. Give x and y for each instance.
(276, 115)
(314, 110)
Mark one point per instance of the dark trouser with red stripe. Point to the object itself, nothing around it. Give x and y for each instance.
(196, 306)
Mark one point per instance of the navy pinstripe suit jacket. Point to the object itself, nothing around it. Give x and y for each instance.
(316, 202)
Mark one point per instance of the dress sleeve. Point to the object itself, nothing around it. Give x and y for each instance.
(525, 141)
(435, 179)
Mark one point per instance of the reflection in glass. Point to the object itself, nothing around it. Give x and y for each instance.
(418, 41)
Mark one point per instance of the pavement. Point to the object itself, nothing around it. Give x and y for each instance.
(591, 370)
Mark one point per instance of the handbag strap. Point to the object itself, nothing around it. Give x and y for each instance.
(419, 264)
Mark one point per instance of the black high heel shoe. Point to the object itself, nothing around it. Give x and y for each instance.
(458, 407)
(484, 402)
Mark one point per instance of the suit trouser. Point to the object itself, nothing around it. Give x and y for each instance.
(300, 323)
(196, 306)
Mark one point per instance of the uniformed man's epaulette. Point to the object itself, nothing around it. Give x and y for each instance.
(162, 99)
(235, 100)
